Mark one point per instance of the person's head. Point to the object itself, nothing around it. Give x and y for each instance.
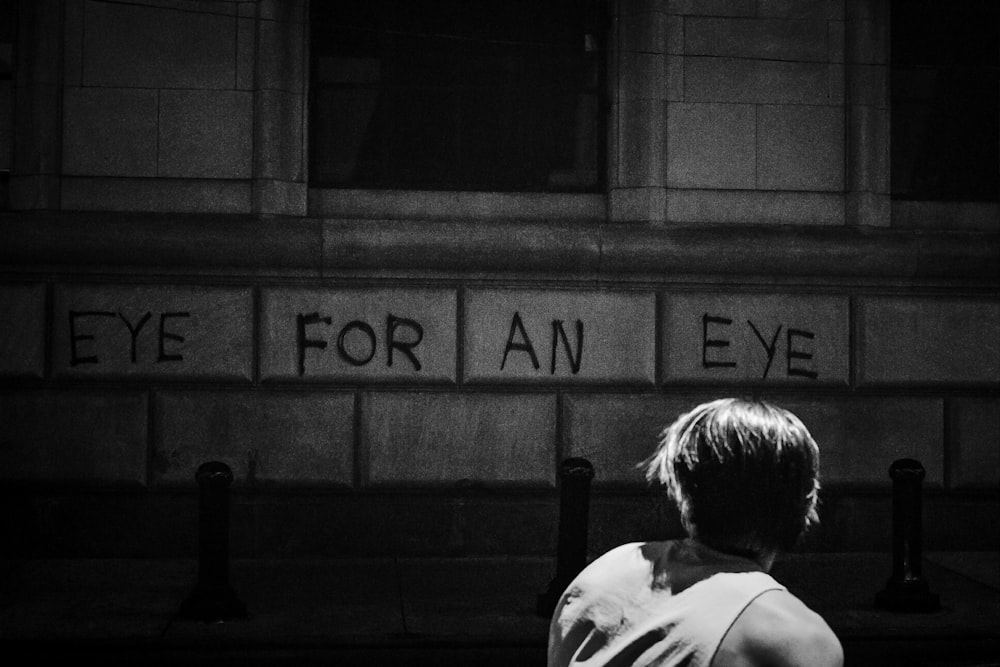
(744, 475)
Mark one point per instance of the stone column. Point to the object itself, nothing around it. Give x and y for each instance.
(637, 133)
(868, 157)
(280, 107)
(36, 166)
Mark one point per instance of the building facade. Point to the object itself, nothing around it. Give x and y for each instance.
(394, 268)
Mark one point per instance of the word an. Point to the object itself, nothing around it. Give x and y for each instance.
(558, 333)
(392, 325)
(134, 330)
(794, 353)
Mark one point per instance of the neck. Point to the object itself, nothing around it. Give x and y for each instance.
(764, 560)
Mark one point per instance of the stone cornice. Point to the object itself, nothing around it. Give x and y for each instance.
(199, 243)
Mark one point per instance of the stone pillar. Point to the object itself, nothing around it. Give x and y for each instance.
(637, 132)
(36, 165)
(868, 157)
(280, 107)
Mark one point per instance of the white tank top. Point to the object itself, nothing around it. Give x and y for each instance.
(656, 603)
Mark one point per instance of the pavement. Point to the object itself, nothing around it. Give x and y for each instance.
(435, 611)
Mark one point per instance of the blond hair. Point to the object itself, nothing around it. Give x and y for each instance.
(744, 475)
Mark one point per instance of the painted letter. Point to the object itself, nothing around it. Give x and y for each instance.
(361, 326)
(406, 347)
(134, 331)
(303, 342)
(164, 335)
(707, 342)
(517, 325)
(769, 348)
(557, 331)
(73, 336)
(798, 354)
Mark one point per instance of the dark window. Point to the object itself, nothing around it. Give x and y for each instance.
(7, 24)
(457, 95)
(945, 112)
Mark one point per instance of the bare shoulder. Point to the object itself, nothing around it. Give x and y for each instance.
(779, 630)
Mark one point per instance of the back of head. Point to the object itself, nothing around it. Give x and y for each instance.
(744, 474)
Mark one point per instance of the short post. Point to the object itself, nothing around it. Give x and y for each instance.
(213, 599)
(906, 589)
(574, 506)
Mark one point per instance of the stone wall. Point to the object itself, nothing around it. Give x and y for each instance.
(401, 373)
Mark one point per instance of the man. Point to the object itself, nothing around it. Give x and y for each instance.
(744, 475)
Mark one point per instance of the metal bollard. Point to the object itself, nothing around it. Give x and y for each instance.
(574, 505)
(906, 589)
(213, 599)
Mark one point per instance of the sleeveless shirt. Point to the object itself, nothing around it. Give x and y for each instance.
(667, 604)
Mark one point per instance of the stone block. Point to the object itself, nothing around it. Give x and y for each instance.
(22, 330)
(674, 34)
(456, 206)
(577, 337)
(756, 339)
(869, 209)
(109, 132)
(246, 50)
(974, 443)
(642, 129)
(166, 331)
(292, 438)
(278, 132)
(949, 215)
(710, 79)
(867, 42)
(642, 33)
(836, 40)
(801, 9)
(280, 61)
(158, 47)
(355, 335)
(928, 341)
(35, 192)
(72, 437)
(205, 134)
(640, 76)
(755, 207)
(293, 11)
(800, 148)
(637, 204)
(459, 439)
(616, 432)
(869, 85)
(73, 47)
(837, 84)
(713, 7)
(675, 78)
(271, 197)
(710, 145)
(154, 195)
(859, 438)
(38, 116)
(868, 149)
(798, 40)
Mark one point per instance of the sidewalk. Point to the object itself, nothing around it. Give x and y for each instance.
(478, 611)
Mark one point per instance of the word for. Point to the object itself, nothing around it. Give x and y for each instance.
(392, 324)
(558, 333)
(134, 329)
(794, 354)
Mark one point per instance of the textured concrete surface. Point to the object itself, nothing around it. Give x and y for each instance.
(152, 331)
(282, 437)
(74, 436)
(453, 438)
(433, 611)
(22, 329)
